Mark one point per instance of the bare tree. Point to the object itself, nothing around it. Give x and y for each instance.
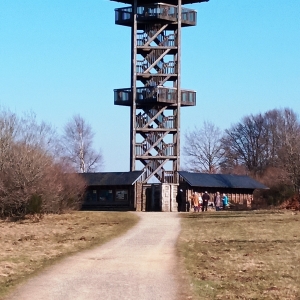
(245, 144)
(22, 176)
(8, 130)
(203, 148)
(77, 143)
(289, 150)
(38, 135)
(30, 179)
(264, 141)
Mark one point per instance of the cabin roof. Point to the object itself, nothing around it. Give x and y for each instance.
(111, 178)
(172, 2)
(221, 181)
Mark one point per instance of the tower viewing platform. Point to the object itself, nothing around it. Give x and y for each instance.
(155, 96)
(152, 95)
(155, 12)
(172, 2)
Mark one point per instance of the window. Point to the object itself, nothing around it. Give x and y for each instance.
(105, 195)
(121, 195)
(91, 196)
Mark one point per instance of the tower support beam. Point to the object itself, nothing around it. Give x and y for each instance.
(155, 96)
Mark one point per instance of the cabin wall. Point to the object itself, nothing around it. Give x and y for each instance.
(157, 197)
(109, 198)
(239, 198)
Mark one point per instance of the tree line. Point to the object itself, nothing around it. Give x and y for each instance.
(38, 167)
(265, 146)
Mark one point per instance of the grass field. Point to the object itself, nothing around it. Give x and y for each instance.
(226, 255)
(242, 255)
(27, 246)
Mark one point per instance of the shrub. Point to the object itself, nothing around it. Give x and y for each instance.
(31, 179)
(35, 204)
(277, 194)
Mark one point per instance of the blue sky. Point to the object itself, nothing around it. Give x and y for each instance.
(64, 57)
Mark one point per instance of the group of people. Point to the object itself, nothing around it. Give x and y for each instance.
(200, 201)
(221, 201)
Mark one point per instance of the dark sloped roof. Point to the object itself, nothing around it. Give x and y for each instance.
(112, 178)
(172, 2)
(221, 180)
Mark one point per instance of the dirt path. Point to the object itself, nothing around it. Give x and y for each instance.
(139, 265)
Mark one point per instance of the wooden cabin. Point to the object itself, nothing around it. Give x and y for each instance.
(112, 190)
(238, 188)
(126, 191)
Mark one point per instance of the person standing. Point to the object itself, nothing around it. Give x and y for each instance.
(200, 201)
(205, 199)
(191, 200)
(225, 201)
(196, 202)
(218, 201)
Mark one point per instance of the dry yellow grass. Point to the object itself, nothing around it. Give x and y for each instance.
(27, 246)
(242, 255)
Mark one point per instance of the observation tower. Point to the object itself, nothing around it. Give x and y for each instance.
(155, 96)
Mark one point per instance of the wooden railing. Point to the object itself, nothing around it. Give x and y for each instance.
(162, 148)
(161, 68)
(154, 94)
(188, 97)
(155, 11)
(123, 14)
(162, 121)
(123, 95)
(169, 177)
(164, 40)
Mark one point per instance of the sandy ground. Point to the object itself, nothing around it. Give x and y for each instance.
(139, 265)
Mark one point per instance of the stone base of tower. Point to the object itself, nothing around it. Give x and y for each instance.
(157, 197)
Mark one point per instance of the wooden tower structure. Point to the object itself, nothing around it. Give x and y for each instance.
(155, 95)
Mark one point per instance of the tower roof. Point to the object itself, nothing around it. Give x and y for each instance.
(171, 2)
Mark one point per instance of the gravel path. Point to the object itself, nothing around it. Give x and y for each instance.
(138, 265)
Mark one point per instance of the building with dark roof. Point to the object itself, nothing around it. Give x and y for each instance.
(238, 188)
(112, 190)
(126, 191)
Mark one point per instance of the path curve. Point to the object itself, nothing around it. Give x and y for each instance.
(140, 264)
